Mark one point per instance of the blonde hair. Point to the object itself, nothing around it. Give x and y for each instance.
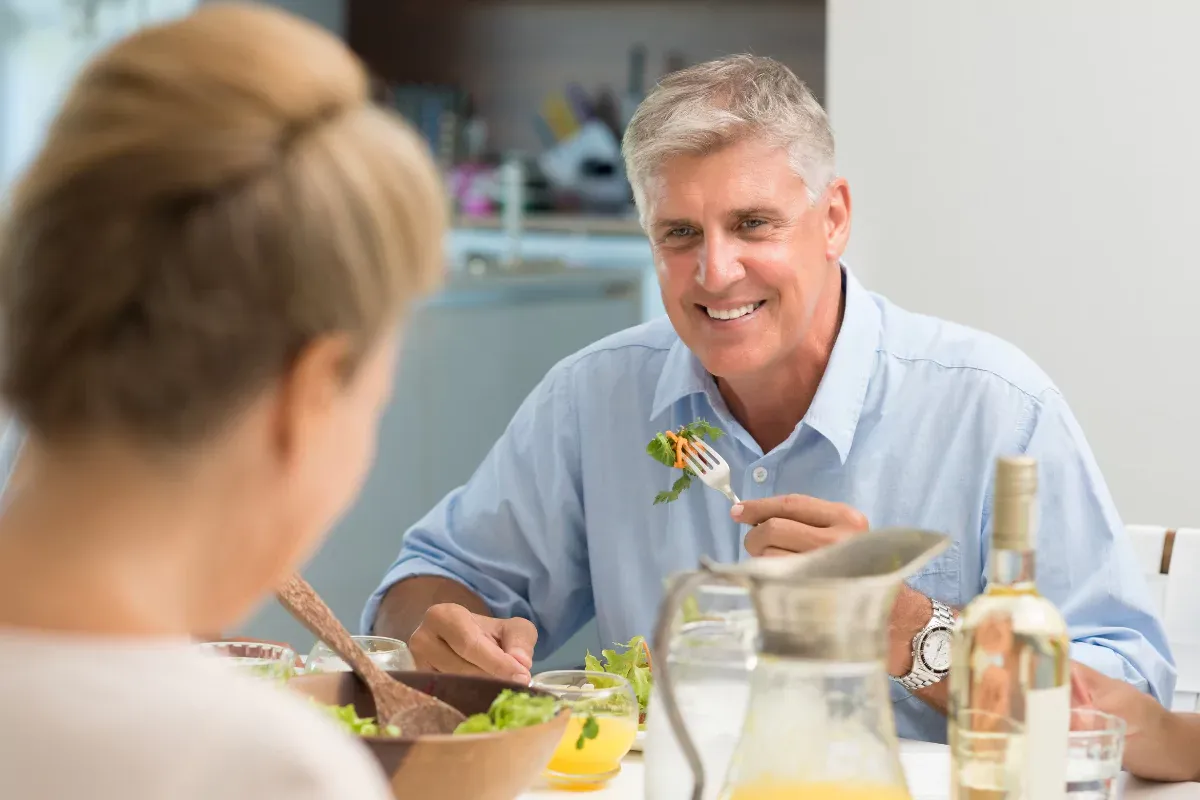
(705, 107)
(214, 194)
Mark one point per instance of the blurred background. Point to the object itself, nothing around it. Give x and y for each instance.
(1024, 167)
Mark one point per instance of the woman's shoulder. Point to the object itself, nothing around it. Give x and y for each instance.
(170, 724)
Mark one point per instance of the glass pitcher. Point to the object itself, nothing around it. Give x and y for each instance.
(819, 720)
(712, 652)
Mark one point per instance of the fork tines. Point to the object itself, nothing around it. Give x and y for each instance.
(700, 459)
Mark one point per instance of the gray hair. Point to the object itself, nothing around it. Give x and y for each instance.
(703, 108)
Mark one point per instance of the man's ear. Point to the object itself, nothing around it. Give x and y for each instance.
(837, 219)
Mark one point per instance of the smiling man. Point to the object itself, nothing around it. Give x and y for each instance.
(840, 407)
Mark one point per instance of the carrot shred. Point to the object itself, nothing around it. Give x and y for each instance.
(646, 650)
(678, 443)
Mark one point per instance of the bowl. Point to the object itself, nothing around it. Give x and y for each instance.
(270, 660)
(478, 766)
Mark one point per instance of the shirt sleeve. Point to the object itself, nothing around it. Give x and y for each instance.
(514, 533)
(1085, 562)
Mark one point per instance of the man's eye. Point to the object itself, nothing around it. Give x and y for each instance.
(680, 232)
(753, 223)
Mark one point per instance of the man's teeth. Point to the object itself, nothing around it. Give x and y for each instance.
(733, 313)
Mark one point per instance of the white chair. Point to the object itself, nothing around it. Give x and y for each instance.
(1170, 560)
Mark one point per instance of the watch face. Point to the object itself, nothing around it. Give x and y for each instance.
(935, 650)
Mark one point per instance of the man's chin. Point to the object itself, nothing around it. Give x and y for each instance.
(731, 363)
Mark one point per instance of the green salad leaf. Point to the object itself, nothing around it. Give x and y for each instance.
(632, 663)
(662, 450)
(349, 719)
(511, 709)
(590, 730)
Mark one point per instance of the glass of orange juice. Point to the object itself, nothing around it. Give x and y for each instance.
(604, 724)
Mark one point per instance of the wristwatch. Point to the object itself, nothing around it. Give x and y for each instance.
(930, 651)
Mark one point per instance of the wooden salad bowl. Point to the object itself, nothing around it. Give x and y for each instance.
(478, 766)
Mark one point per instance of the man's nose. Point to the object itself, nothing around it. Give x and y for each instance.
(718, 265)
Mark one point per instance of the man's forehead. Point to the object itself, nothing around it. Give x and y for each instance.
(688, 201)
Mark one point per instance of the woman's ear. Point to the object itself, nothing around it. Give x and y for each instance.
(307, 391)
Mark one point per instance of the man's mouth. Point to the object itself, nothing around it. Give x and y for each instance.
(733, 313)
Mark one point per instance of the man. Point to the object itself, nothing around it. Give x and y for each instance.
(841, 410)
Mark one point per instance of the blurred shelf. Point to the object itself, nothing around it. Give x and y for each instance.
(580, 224)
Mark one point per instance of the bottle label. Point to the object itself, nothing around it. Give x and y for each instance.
(1047, 726)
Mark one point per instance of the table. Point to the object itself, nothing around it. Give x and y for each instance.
(927, 767)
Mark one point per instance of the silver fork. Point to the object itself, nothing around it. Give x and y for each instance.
(710, 468)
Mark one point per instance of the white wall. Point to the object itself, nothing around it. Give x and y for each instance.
(1030, 167)
(42, 47)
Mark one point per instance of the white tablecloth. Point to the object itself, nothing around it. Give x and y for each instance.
(927, 767)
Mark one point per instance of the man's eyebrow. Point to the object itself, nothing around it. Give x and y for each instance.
(754, 211)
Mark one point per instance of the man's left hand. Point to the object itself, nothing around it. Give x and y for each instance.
(796, 523)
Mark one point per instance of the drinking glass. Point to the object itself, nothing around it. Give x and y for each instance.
(389, 654)
(1095, 748)
(604, 723)
(711, 656)
(987, 753)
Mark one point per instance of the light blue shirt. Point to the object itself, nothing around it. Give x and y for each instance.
(557, 525)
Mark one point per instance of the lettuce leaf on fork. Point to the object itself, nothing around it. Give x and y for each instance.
(662, 448)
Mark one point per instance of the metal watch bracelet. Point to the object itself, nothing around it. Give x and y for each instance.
(921, 676)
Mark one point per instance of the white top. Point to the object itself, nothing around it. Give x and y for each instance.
(124, 721)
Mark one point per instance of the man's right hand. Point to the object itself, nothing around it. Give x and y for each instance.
(452, 639)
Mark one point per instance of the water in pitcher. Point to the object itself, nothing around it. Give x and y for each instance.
(710, 657)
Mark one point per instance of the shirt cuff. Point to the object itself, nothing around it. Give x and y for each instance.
(1109, 662)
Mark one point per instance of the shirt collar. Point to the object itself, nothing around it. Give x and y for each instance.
(838, 403)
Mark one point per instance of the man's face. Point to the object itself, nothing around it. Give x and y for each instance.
(743, 254)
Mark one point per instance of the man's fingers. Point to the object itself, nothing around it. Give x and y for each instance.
(463, 633)
(799, 508)
(518, 637)
(431, 652)
(1081, 694)
(481, 649)
(785, 535)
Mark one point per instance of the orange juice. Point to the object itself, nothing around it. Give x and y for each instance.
(614, 737)
(795, 790)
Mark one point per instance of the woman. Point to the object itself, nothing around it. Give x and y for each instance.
(201, 277)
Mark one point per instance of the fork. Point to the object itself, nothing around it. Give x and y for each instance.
(709, 467)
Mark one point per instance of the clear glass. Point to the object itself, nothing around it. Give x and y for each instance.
(389, 654)
(260, 659)
(1010, 658)
(711, 659)
(604, 723)
(840, 711)
(988, 751)
(1095, 749)
(987, 754)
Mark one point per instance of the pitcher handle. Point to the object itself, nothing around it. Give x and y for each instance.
(681, 587)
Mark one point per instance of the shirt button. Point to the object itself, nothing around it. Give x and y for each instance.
(760, 474)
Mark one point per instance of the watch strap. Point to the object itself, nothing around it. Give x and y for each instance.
(921, 676)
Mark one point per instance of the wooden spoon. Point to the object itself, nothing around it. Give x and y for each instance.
(414, 712)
